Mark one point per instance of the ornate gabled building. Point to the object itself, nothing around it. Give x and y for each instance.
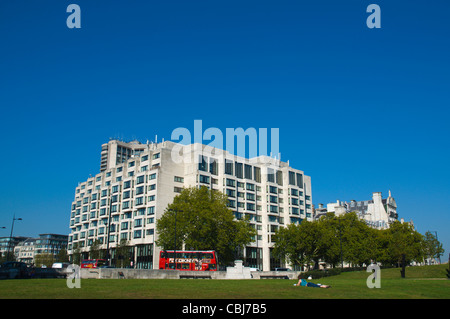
(378, 212)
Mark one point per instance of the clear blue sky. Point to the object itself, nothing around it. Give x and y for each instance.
(359, 110)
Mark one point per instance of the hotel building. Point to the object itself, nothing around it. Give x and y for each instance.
(138, 181)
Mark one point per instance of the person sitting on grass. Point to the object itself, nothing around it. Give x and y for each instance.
(304, 283)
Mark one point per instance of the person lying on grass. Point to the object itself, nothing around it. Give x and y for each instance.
(304, 283)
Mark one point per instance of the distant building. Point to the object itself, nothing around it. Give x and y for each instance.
(378, 212)
(26, 250)
(8, 244)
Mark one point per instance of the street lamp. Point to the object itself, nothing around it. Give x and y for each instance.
(10, 236)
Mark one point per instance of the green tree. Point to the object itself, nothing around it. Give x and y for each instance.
(360, 241)
(62, 256)
(203, 222)
(123, 256)
(399, 239)
(94, 251)
(44, 259)
(303, 244)
(76, 255)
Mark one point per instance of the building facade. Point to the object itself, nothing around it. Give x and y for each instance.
(378, 213)
(52, 244)
(125, 200)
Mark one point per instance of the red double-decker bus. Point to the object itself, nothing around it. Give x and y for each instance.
(195, 260)
(92, 263)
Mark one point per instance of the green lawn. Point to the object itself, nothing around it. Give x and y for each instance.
(421, 283)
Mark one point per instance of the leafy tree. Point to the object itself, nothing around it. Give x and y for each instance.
(62, 256)
(44, 259)
(359, 240)
(432, 248)
(401, 239)
(94, 251)
(123, 253)
(76, 256)
(203, 222)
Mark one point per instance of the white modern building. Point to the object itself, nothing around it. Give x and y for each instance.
(137, 182)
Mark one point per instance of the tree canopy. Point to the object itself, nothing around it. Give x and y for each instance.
(203, 222)
(349, 239)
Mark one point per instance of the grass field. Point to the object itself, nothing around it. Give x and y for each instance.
(420, 283)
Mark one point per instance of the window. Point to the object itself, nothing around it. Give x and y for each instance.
(138, 233)
(213, 166)
(248, 171)
(250, 187)
(202, 164)
(144, 158)
(177, 189)
(178, 179)
(139, 190)
(126, 184)
(152, 176)
(156, 156)
(231, 182)
(138, 222)
(131, 164)
(291, 178)
(140, 179)
(250, 206)
(139, 200)
(257, 174)
(238, 170)
(230, 193)
(300, 180)
(280, 178)
(204, 179)
(274, 199)
(228, 167)
(270, 175)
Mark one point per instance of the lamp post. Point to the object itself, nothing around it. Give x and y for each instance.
(10, 236)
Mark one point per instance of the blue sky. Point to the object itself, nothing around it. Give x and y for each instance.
(359, 110)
